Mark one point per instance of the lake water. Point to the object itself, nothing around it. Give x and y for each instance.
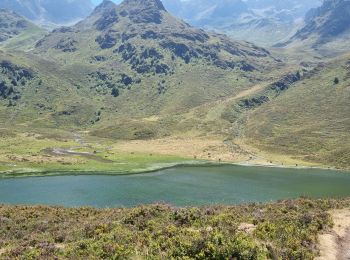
(182, 186)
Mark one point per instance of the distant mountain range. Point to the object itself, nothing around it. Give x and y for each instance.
(324, 25)
(50, 12)
(205, 12)
(264, 22)
(261, 21)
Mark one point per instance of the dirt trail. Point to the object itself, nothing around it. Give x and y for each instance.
(336, 243)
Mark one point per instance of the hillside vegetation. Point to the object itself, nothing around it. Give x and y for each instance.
(311, 120)
(283, 230)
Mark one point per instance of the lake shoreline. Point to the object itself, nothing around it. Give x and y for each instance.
(192, 163)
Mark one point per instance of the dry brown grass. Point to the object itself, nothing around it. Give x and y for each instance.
(208, 148)
(43, 159)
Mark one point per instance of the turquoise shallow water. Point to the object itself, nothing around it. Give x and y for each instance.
(182, 186)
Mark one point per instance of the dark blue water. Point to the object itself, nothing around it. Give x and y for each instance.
(183, 186)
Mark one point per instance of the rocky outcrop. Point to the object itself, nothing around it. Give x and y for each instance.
(12, 79)
(180, 50)
(198, 35)
(273, 90)
(109, 18)
(13, 71)
(107, 40)
(66, 45)
(126, 80)
(5, 90)
(285, 82)
(254, 102)
(141, 11)
(143, 61)
(126, 50)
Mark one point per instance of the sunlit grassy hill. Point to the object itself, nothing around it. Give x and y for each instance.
(311, 120)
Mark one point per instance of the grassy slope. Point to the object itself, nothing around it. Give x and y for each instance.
(17, 32)
(310, 121)
(37, 124)
(25, 40)
(50, 88)
(204, 127)
(283, 230)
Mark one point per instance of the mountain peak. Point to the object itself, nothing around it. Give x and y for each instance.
(106, 14)
(154, 4)
(105, 6)
(143, 11)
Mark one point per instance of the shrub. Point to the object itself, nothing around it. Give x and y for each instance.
(283, 230)
(115, 92)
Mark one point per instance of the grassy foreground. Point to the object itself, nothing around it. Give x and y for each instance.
(282, 230)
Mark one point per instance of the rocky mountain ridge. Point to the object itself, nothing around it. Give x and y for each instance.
(262, 22)
(330, 22)
(145, 36)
